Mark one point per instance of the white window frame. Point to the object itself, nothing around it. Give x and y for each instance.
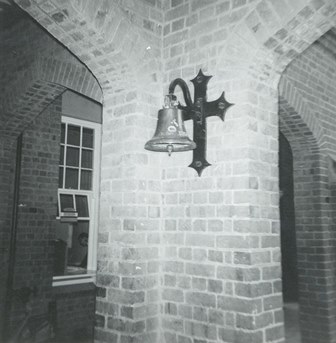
(93, 204)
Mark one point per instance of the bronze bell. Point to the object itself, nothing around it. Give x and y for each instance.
(170, 135)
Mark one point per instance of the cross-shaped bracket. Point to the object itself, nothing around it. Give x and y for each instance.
(198, 111)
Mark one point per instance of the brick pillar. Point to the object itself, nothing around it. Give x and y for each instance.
(221, 267)
(127, 306)
(315, 247)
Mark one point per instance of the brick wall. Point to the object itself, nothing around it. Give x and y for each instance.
(36, 213)
(36, 233)
(315, 246)
(75, 313)
(7, 153)
(37, 210)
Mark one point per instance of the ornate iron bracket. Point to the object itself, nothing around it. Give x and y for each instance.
(198, 111)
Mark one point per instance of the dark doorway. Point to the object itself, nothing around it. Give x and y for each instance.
(288, 242)
(287, 222)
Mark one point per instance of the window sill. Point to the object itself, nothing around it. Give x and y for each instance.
(77, 288)
(65, 280)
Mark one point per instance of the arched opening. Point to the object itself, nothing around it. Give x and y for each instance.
(303, 111)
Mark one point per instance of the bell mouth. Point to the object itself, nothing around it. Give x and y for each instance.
(164, 147)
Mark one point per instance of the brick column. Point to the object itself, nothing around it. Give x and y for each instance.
(221, 268)
(315, 246)
(127, 304)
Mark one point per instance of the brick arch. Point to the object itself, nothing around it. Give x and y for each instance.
(45, 80)
(28, 105)
(69, 75)
(296, 115)
(294, 128)
(101, 35)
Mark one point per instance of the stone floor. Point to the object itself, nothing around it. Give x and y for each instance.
(292, 329)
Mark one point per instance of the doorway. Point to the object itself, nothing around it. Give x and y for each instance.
(288, 242)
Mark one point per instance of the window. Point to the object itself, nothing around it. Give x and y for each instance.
(78, 184)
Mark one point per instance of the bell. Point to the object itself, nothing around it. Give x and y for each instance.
(170, 135)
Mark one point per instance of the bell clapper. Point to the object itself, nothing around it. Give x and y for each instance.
(170, 149)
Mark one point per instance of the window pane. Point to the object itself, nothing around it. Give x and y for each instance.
(66, 201)
(82, 205)
(73, 135)
(62, 133)
(71, 248)
(61, 161)
(71, 178)
(87, 158)
(87, 137)
(86, 180)
(77, 253)
(72, 158)
(60, 177)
